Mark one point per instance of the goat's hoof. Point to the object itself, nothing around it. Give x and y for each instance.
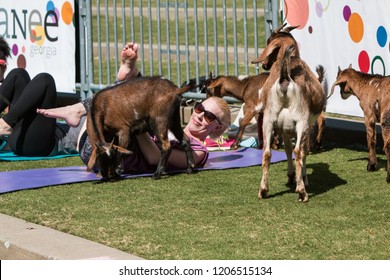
(291, 179)
(303, 197)
(234, 147)
(263, 194)
(190, 170)
(156, 176)
(371, 167)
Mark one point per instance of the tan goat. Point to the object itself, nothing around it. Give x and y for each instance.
(293, 98)
(374, 99)
(246, 90)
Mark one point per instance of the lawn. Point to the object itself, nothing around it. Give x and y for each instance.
(217, 215)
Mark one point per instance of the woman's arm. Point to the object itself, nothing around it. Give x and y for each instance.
(177, 157)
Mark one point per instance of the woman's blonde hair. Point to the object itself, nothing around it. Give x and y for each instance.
(225, 119)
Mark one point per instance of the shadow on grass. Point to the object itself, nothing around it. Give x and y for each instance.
(320, 181)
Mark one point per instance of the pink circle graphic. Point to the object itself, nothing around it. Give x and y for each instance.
(364, 62)
(297, 12)
(346, 13)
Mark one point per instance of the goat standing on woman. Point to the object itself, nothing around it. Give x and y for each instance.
(374, 99)
(293, 98)
(145, 103)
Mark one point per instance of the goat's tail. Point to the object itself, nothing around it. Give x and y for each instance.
(186, 88)
(321, 73)
(285, 71)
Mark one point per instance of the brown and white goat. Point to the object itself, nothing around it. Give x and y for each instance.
(293, 98)
(372, 91)
(140, 104)
(246, 90)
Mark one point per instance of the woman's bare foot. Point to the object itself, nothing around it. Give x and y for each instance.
(128, 68)
(70, 114)
(5, 129)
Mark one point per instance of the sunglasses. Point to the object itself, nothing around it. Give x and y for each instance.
(208, 116)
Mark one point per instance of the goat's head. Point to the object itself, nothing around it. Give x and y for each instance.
(109, 158)
(342, 80)
(277, 43)
(213, 86)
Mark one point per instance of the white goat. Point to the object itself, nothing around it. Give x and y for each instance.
(294, 98)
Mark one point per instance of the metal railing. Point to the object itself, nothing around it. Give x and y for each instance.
(178, 40)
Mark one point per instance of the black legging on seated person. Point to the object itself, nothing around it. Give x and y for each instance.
(32, 134)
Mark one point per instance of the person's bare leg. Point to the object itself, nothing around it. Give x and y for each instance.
(5, 129)
(128, 68)
(71, 114)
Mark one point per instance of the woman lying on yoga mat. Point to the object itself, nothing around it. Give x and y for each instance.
(211, 117)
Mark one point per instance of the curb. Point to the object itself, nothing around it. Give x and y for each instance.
(21, 240)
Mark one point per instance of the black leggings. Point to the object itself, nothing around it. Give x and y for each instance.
(32, 134)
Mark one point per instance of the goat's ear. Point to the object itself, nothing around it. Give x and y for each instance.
(214, 84)
(266, 52)
(122, 150)
(350, 66)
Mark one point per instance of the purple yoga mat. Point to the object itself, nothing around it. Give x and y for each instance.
(36, 178)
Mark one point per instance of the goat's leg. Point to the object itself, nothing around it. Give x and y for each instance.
(190, 157)
(300, 151)
(124, 137)
(165, 151)
(260, 130)
(321, 130)
(243, 124)
(369, 121)
(267, 132)
(385, 123)
(177, 130)
(288, 149)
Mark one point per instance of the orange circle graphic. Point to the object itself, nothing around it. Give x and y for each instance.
(67, 13)
(356, 27)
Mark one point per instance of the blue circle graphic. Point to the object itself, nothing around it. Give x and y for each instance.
(381, 36)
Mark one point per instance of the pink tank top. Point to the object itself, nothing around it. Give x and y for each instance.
(136, 162)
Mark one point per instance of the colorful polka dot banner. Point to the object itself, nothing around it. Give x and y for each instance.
(339, 33)
(41, 35)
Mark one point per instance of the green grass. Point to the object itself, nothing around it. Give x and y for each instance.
(217, 215)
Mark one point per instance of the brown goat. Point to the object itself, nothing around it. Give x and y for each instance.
(293, 98)
(140, 104)
(246, 90)
(372, 91)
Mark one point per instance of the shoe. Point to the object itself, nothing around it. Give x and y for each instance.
(251, 142)
(222, 143)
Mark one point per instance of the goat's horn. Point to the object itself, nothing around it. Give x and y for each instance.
(112, 143)
(332, 90)
(277, 30)
(290, 28)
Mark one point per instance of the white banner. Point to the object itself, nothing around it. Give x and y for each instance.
(41, 35)
(340, 33)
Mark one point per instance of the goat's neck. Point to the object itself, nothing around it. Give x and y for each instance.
(361, 87)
